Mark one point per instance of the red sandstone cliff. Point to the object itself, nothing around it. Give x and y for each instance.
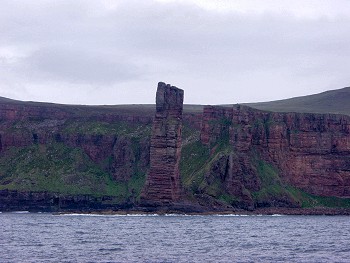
(24, 124)
(163, 181)
(311, 151)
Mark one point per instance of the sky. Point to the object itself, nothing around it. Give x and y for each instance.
(218, 51)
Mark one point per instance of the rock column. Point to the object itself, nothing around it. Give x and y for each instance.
(163, 181)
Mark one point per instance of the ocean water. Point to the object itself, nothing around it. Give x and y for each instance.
(29, 237)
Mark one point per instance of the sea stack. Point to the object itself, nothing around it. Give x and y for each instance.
(163, 184)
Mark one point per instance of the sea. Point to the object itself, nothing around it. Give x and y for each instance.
(45, 237)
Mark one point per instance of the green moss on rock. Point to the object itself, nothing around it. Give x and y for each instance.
(60, 169)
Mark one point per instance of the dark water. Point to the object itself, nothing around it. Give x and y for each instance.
(82, 238)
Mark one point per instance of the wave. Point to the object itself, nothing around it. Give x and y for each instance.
(168, 215)
(245, 215)
(232, 215)
(76, 214)
(105, 215)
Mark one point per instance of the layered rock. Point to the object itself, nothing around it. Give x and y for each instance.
(13, 200)
(129, 159)
(311, 151)
(163, 181)
(215, 123)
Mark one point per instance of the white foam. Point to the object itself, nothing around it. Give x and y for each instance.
(245, 215)
(111, 215)
(152, 215)
(74, 214)
(231, 215)
(140, 215)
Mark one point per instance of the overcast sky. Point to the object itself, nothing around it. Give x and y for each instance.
(219, 51)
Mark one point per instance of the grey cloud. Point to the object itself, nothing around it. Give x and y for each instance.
(141, 42)
(80, 66)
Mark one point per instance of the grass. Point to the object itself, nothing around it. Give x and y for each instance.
(228, 199)
(273, 188)
(308, 200)
(121, 128)
(333, 101)
(268, 174)
(187, 131)
(57, 168)
(194, 157)
(61, 169)
(196, 162)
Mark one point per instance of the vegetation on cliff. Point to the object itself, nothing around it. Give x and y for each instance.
(233, 161)
(60, 169)
(197, 162)
(77, 159)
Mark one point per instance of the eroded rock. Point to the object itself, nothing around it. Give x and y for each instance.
(163, 181)
(311, 151)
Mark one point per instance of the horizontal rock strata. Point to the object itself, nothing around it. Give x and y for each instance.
(163, 181)
(311, 151)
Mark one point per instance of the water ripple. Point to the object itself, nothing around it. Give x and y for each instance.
(26, 237)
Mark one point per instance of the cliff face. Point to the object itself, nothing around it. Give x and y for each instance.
(311, 151)
(98, 156)
(12, 200)
(163, 181)
(75, 152)
(122, 150)
(110, 143)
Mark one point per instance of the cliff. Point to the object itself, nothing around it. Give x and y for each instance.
(74, 152)
(90, 152)
(163, 182)
(310, 152)
(196, 158)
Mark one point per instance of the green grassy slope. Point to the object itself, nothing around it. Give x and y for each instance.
(333, 101)
(54, 168)
(197, 161)
(88, 110)
(58, 168)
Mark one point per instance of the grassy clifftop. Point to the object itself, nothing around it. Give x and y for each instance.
(333, 101)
